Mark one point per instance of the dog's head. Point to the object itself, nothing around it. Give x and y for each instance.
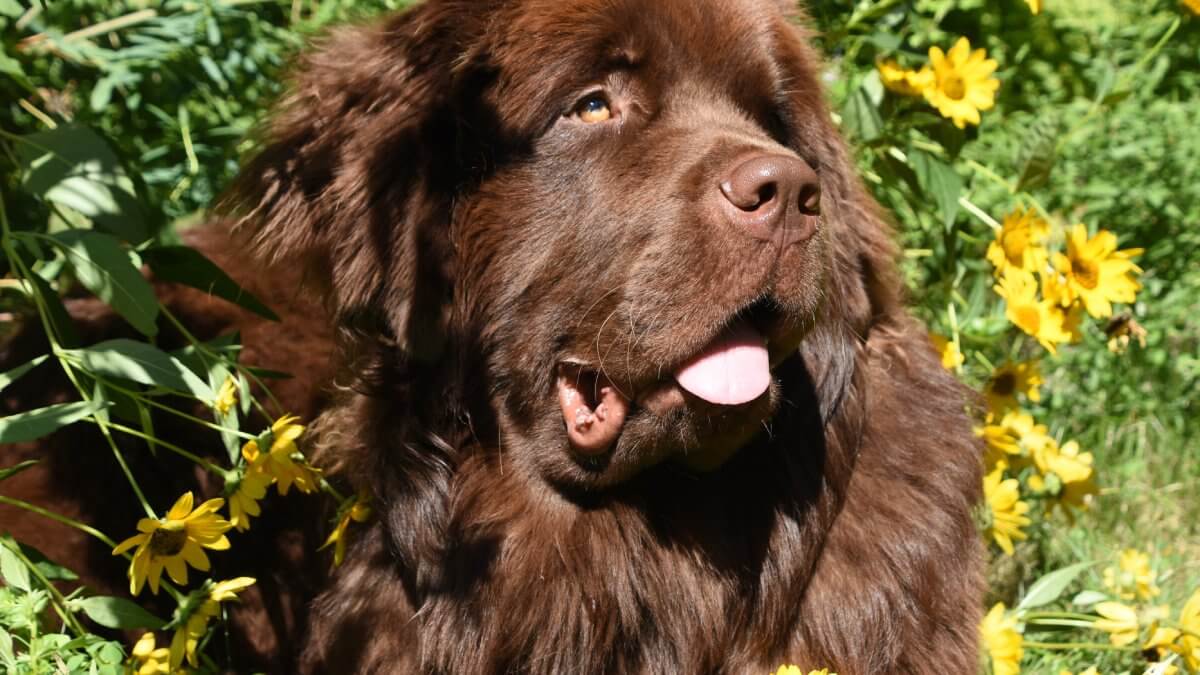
(614, 221)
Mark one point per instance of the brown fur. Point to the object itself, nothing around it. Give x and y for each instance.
(467, 235)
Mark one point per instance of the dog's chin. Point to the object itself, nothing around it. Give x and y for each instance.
(667, 427)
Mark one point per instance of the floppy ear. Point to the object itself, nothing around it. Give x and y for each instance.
(355, 185)
(863, 292)
(354, 179)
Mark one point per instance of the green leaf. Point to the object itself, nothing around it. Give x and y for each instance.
(57, 313)
(885, 41)
(10, 471)
(15, 374)
(13, 69)
(119, 613)
(73, 167)
(109, 653)
(12, 570)
(187, 266)
(48, 569)
(1047, 589)
(1089, 598)
(1038, 153)
(142, 363)
(105, 268)
(11, 8)
(34, 424)
(939, 181)
(7, 657)
(861, 118)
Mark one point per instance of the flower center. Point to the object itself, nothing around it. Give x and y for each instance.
(954, 87)
(169, 539)
(1004, 384)
(1086, 272)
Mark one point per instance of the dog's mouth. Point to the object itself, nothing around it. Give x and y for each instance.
(733, 369)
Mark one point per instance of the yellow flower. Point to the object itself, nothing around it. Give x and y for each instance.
(1096, 272)
(1001, 443)
(1193, 5)
(187, 636)
(1013, 439)
(1035, 6)
(149, 658)
(1132, 578)
(1020, 243)
(1066, 474)
(904, 81)
(962, 83)
(1072, 322)
(795, 670)
(952, 357)
(284, 462)
(1002, 641)
(1033, 436)
(1006, 509)
(1024, 309)
(359, 512)
(174, 542)
(1189, 643)
(1009, 379)
(243, 503)
(1055, 290)
(1119, 621)
(1161, 640)
(226, 396)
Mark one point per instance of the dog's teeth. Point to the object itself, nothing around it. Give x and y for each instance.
(601, 412)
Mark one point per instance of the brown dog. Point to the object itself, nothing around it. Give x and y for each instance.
(627, 368)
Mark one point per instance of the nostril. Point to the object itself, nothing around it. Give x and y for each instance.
(810, 199)
(774, 197)
(750, 194)
(766, 193)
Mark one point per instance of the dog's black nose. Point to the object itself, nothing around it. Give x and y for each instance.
(773, 197)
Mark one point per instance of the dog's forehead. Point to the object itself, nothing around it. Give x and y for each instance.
(541, 46)
(697, 30)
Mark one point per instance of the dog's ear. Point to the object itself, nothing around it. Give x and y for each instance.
(353, 182)
(863, 289)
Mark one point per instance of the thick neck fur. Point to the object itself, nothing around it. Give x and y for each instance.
(673, 572)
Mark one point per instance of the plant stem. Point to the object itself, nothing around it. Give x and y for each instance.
(82, 527)
(178, 413)
(207, 465)
(183, 330)
(1033, 616)
(1078, 645)
(60, 603)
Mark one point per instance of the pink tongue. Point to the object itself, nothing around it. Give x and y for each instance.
(732, 370)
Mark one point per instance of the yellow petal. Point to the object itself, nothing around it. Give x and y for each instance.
(129, 543)
(194, 556)
(177, 568)
(182, 507)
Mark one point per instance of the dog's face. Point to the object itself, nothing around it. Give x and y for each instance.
(648, 242)
(633, 208)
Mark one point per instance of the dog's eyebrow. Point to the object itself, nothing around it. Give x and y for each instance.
(623, 57)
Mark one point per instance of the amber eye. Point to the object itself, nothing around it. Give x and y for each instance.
(594, 109)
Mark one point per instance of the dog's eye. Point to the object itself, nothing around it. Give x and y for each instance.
(594, 109)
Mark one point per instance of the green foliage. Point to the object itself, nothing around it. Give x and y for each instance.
(121, 123)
